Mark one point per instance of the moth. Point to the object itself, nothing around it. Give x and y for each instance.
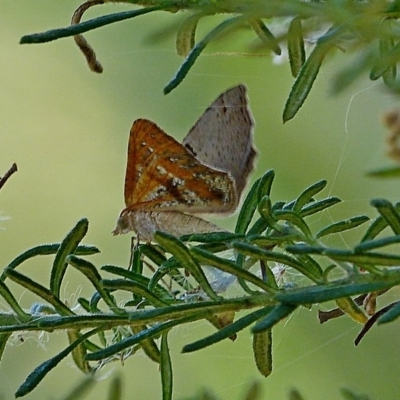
(166, 182)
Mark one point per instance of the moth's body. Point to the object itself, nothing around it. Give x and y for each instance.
(173, 222)
(167, 181)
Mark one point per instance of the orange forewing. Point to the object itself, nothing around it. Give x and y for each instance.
(162, 174)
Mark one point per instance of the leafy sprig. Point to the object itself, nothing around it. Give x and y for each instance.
(368, 28)
(267, 235)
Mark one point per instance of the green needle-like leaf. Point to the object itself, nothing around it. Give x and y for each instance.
(37, 375)
(196, 51)
(182, 254)
(86, 26)
(134, 287)
(47, 249)
(322, 293)
(185, 37)
(376, 244)
(389, 213)
(305, 79)
(391, 315)
(342, 226)
(284, 259)
(228, 331)
(137, 338)
(13, 303)
(318, 206)
(262, 350)
(386, 172)
(251, 201)
(377, 226)
(166, 368)
(90, 272)
(278, 312)
(265, 35)
(39, 290)
(206, 258)
(295, 44)
(67, 247)
(308, 194)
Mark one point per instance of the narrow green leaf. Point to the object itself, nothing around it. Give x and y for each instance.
(137, 338)
(262, 350)
(265, 35)
(185, 37)
(264, 184)
(377, 226)
(153, 253)
(253, 392)
(115, 390)
(317, 206)
(342, 226)
(294, 394)
(349, 306)
(206, 258)
(294, 219)
(250, 203)
(67, 247)
(36, 376)
(305, 79)
(301, 248)
(196, 51)
(79, 352)
(169, 268)
(258, 227)
(166, 368)
(182, 254)
(278, 313)
(268, 242)
(86, 26)
(350, 395)
(134, 287)
(3, 341)
(158, 290)
(390, 315)
(90, 272)
(47, 249)
(385, 65)
(387, 172)
(306, 196)
(347, 255)
(265, 210)
(389, 213)
(149, 346)
(94, 301)
(347, 75)
(39, 290)
(386, 44)
(320, 294)
(13, 303)
(80, 391)
(266, 255)
(137, 262)
(227, 331)
(295, 45)
(377, 243)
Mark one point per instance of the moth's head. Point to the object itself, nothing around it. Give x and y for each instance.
(124, 225)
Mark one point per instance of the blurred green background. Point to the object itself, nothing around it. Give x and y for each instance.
(67, 129)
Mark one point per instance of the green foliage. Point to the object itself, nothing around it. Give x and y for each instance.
(267, 235)
(368, 28)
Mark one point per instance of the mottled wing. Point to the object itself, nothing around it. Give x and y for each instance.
(222, 138)
(162, 174)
